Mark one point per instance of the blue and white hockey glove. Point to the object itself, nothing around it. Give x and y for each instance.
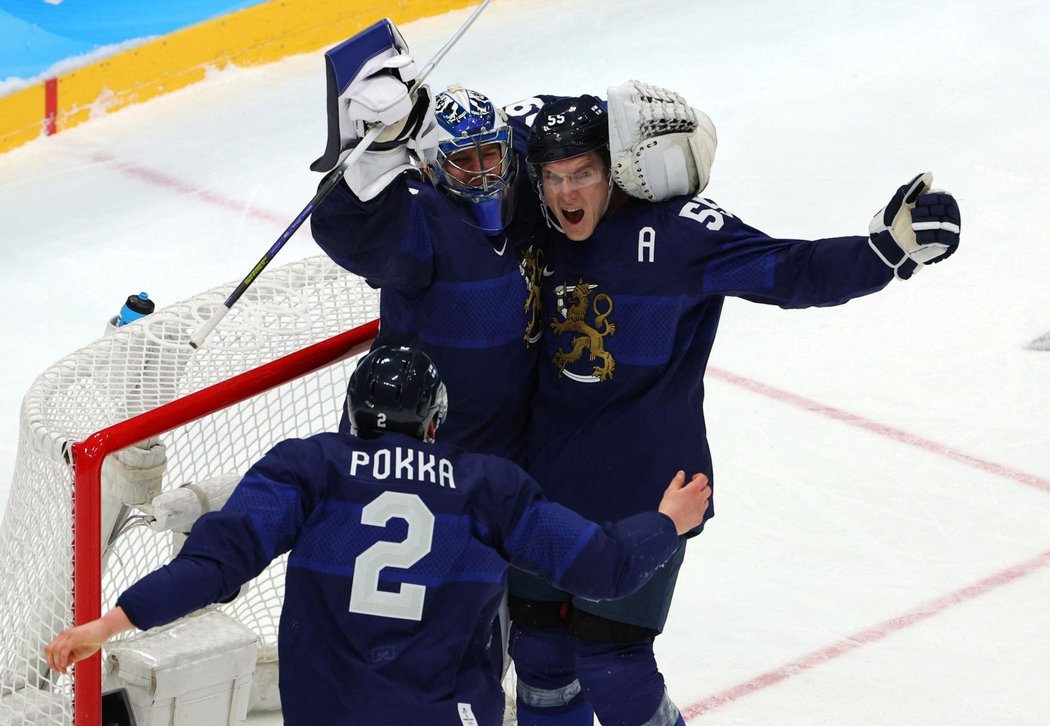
(381, 93)
(370, 81)
(918, 227)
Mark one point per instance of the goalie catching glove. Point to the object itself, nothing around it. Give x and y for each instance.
(376, 76)
(918, 227)
(660, 146)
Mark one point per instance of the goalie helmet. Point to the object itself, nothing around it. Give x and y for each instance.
(475, 164)
(396, 389)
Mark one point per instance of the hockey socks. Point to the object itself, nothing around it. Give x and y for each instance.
(623, 685)
(564, 680)
(548, 692)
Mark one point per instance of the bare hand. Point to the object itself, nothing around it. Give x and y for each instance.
(685, 503)
(83, 641)
(74, 645)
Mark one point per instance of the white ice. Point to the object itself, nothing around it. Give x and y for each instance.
(881, 553)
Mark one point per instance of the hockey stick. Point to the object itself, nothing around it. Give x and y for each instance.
(328, 184)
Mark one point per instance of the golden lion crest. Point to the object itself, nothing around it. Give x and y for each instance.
(591, 337)
(532, 269)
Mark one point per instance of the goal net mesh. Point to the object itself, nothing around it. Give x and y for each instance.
(134, 369)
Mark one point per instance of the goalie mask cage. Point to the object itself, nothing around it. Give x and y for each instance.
(276, 368)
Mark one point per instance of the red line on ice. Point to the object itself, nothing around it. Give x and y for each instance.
(896, 624)
(161, 179)
(881, 429)
(867, 636)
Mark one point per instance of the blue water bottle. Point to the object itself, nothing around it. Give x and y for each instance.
(135, 307)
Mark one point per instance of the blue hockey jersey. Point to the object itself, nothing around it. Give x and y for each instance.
(398, 563)
(470, 301)
(631, 316)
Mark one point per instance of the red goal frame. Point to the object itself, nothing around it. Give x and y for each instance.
(88, 455)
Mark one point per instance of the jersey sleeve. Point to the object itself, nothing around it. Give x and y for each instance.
(575, 554)
(226, 549)
(386, 240)
(735, 259)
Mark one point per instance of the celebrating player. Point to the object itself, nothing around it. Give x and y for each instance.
(457, 268)
(458, 258)
(632, 308)
(399, 551)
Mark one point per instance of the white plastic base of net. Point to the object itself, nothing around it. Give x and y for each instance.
(137, 369)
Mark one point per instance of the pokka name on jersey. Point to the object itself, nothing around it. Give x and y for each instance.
(403, 463)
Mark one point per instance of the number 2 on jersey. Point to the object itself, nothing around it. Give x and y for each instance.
(407, 602)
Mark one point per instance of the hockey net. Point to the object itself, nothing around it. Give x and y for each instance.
(276, 368)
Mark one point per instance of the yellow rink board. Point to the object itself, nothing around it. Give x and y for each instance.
(260, 34)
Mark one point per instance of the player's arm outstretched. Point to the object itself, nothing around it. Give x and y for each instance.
(224, 550)
(85, 640)
(602, 561)
(917, 228)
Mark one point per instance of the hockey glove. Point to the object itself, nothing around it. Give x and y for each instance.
(660, 146)
(370, 78)
(918, 227)
(381, 94)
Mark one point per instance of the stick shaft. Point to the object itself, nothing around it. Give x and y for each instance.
(327, 185)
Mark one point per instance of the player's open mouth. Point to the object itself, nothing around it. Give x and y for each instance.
(573, 216)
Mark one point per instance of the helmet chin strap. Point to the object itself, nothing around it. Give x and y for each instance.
(608, 198)
(548, 214)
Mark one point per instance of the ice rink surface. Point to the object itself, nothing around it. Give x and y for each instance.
(881, 553)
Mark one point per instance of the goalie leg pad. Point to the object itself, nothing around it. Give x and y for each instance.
(133, 475)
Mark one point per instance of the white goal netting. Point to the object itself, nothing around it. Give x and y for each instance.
(133, 370)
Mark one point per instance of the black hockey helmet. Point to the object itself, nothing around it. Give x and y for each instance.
(396, 389)
(568, 127)
(563, 129)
